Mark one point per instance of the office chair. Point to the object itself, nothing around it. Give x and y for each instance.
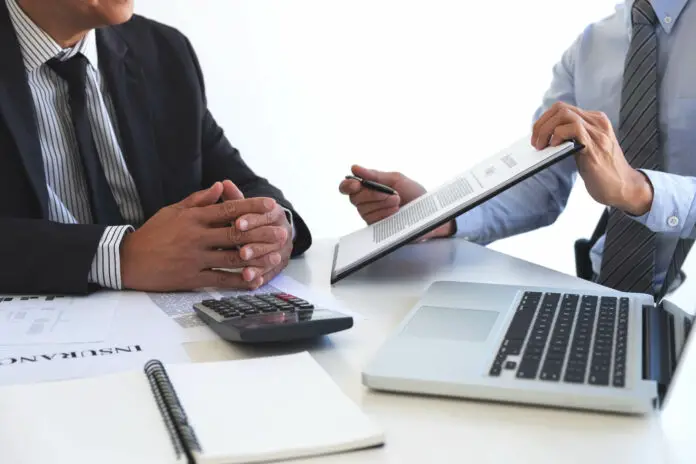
(583, 264)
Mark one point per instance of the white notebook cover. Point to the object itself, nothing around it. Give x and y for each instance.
(247, 411)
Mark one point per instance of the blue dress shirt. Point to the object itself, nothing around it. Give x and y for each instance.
(589, 76)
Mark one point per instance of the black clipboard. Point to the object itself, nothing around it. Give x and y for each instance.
(337, 276)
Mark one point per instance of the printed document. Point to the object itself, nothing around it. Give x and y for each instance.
(133, 333)
(41, 363)
(483, 181)
(46, 320)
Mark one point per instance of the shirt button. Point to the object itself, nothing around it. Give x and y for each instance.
(668, 19)
(673, 221)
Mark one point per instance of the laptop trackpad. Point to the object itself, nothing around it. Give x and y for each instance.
(471, 325)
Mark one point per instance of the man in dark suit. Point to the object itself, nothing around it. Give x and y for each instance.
(113, 173)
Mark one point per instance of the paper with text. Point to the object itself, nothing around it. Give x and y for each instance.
(47, 320)
(20, 365)
(482, 180)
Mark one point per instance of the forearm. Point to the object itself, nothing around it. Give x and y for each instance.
(672, 209)
(39, 256)
(531, 204)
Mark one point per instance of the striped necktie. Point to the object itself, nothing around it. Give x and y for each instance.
(628, 261)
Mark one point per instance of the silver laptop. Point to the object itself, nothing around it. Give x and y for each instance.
(597, 350)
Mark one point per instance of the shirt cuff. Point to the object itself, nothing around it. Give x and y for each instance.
(672, 210)
(106, 265)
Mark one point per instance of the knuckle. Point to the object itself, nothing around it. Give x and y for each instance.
(233, 235)
(221, 279)
(395, 176)
(604, 141)
(195, 236)
(257, 249)
(232, 258)
(229, 209)
(175, 207)
(261, 204)
(278, 233)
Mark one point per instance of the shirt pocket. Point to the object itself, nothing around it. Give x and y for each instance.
(680, 144)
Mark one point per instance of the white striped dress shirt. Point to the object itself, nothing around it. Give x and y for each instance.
(68, 196)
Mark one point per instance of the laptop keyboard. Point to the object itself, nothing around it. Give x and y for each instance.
(567, 337)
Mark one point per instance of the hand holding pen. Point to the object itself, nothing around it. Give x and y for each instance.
(378, 194)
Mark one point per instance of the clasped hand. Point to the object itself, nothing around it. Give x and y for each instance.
(189, 245)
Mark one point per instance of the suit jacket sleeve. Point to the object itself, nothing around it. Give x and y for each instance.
(40, 256)
(222, 161)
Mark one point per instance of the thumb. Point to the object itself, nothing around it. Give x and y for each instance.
(230, 191)
(386, 178)
(201, 198)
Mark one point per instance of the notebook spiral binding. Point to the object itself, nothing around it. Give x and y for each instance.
(180, 431)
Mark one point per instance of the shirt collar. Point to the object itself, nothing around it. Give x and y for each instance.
(38, 47)
(667, 12)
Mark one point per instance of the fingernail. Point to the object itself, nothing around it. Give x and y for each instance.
(275, 259)
(252, 274)
(243, 224)
(247, 254)
(268, 203)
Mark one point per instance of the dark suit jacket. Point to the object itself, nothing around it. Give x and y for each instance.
(170, 141)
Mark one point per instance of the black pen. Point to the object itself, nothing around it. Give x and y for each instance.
(373, 185)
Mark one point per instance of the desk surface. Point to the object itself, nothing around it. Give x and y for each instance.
(425, 429)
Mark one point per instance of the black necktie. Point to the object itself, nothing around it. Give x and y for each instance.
(104, 207)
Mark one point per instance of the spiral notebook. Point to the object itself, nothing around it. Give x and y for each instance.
(249, 411)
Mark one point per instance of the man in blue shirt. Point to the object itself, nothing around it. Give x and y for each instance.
(626, 89)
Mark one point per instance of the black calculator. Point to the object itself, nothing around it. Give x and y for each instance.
(269, 317)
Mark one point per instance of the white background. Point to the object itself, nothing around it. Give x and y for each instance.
(305, 88)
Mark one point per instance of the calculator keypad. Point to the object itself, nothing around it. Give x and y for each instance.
(243, 306)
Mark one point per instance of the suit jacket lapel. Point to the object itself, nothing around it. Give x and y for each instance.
(17, 108)
(126, 84)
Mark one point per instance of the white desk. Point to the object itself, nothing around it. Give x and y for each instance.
(433, 430)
